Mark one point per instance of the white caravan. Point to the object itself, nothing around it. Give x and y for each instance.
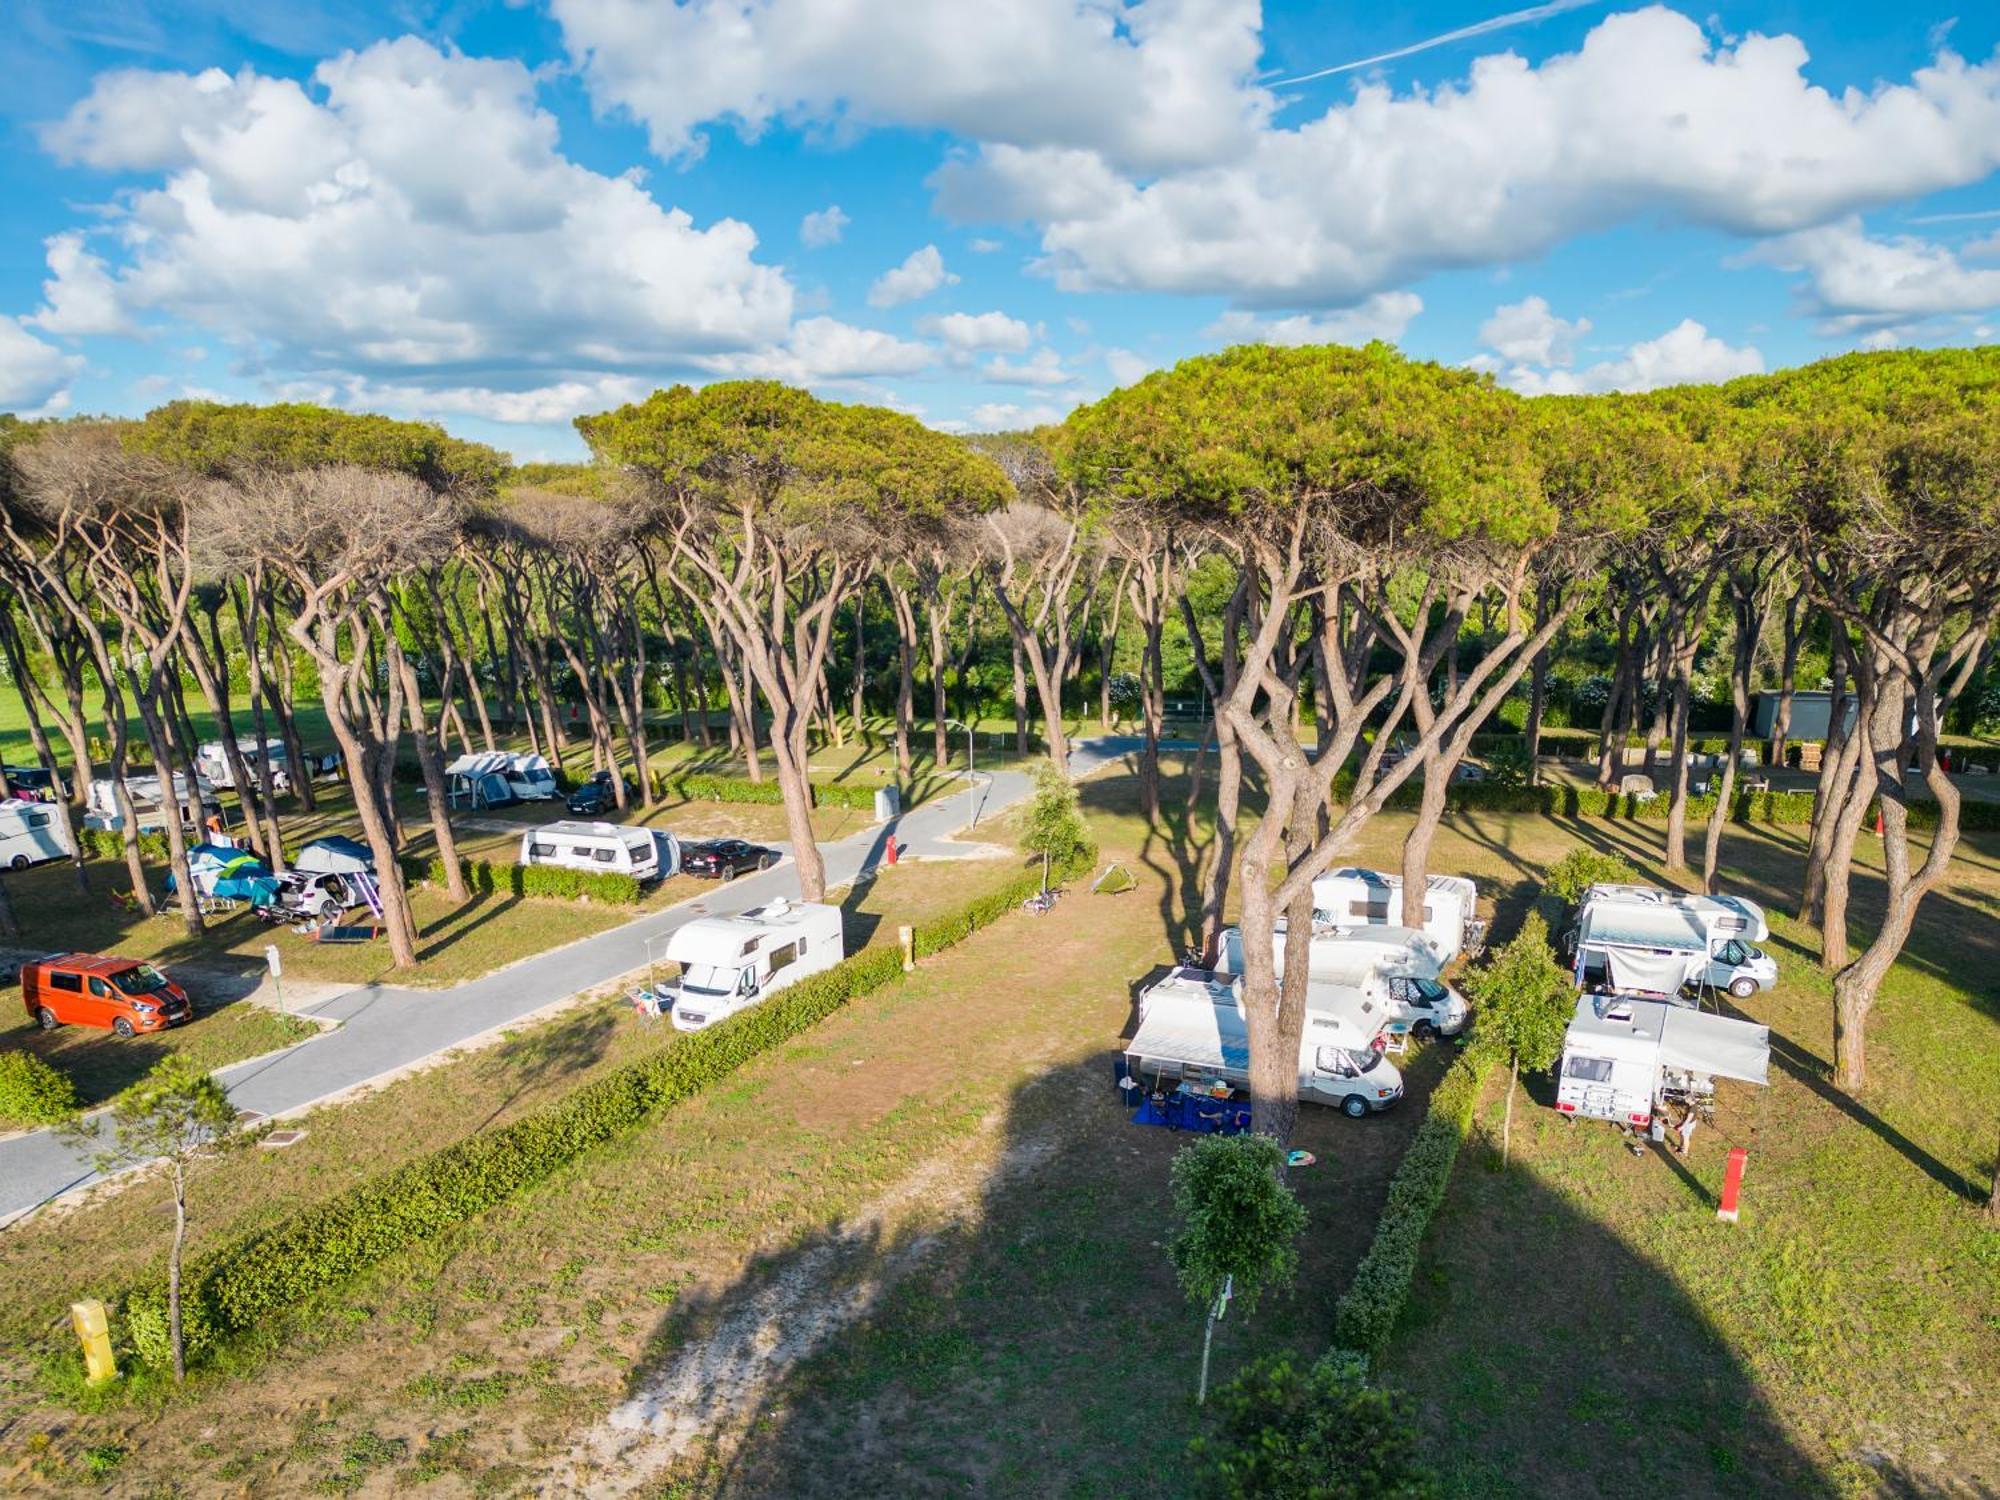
(1397, 966)
(728, 964)
(29, 834)
(1657, 950)
(1345, 900)
(603, 847)
(1623, 1058)
(147, 803)
(212, 761)
(1191, 1026)
(1722, 916)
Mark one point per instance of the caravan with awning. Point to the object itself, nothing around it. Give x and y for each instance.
(1623, 1058)
(1651, 949)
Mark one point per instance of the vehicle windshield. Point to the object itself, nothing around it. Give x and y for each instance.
(540, 778)
(1364, 1061)
(140, 979)
(1432, 992)
(707, 979)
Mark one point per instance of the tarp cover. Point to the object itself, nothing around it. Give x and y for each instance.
(334, 856)
(1715, 1045)
(1644, 971)
(1183, 1034)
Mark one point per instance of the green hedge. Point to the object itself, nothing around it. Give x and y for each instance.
(108, 843)
(232, 1287)
(704, 788)
(554, 882)
(32, 1091)
(1368, 1310)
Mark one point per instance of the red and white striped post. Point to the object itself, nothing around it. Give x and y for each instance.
(1732, 1184)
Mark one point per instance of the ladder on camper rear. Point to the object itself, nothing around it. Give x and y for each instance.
(370, 892)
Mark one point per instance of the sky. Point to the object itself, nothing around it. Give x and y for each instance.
(498, 214)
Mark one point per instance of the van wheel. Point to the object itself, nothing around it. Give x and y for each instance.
(47, 1018)
(1423, 1031)
(123, 1027)
(1354, 1107)
(1743, 989)
(20, 862)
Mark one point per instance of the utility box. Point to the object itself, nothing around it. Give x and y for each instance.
(93, 1331)
(888, 803)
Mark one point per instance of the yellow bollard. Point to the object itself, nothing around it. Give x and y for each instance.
(907, 936)
(93, 1331)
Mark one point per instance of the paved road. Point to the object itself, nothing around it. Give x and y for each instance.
(386, 1027)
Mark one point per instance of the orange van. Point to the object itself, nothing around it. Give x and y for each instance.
(84, 989)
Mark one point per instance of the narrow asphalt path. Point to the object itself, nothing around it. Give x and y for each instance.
(385, 1028)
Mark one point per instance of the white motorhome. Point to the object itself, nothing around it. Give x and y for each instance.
(1623, 1058)
(1346, 900)
(1656, 949)
(1191, 1026)
(1398, 966)
(212, 761)
(603, 847)
(30, 834)
(148, 803)
(728, 964)
(1722, 916)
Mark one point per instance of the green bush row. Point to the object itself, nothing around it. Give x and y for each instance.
(554, 882)
(232, 1287)
(33, 1091)
(705, 788)
(1368, 1310)
(108, 843)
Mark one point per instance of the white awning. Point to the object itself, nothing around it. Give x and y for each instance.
(1181, 1034)
(1646, 971)
(1715, 1045)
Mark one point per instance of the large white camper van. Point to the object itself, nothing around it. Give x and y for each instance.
(212, 761)
(148, 803)
(1397, 966)
(1191, 1027)
(603, 847)
(729, 964)
(1350, 899)
(30, 834)
(1721, 917)
(1656, 949)
(1624, 1058)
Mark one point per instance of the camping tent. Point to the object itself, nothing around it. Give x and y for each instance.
(479, 780)
(334, 856)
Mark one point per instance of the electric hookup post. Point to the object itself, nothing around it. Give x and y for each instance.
(1732, 1184)
(277, 967)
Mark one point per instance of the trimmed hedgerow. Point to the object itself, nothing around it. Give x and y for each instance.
(703, 788)
(109, 843)
(236, 1285)
(1367, 1312)
(33, 1091)
(553, 882)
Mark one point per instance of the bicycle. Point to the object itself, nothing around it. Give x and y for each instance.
(1042, 901)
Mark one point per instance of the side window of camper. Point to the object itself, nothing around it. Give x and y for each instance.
(1588, 1069)
(1430, 914)
(785, 957)
(541, 851)
(604, 856)
(38, 820)
(68, 983)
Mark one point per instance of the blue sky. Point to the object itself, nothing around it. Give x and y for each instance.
(498, 213)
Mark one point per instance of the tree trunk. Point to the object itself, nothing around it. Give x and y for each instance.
(1417, 843)
(1677, 809)
(164, 766)
(860, 696)
(1836, 769)
(1796, 616)
(1020, 704)
(1207, 1339)
(174, 1275)
(399, 926)
(1610, 739)
(790, 750)
(253, 656)
(1507, 1119)
(904, 614)
(437, 801)
(1538, 697)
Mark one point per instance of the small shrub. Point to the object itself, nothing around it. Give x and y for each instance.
(1323, 1433)
(32, 1091)
(1580, 869)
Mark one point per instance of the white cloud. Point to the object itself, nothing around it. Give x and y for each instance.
(1647, 120)
(1000, 416)
(1383, 316)
(825, 349)
(983, 246)
(921, 273)
(967, 332)
(1126, 367)
(34, 376)
(1855, 283)
(81, 296)
(1151, 83)
(1686, 354)
(544, 405)
(1044, 367)
(1527, 332)
(413, 211)
(823, 226)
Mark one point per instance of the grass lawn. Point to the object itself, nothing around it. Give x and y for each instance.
(918, 1251)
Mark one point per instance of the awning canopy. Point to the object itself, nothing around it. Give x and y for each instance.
(1646, 971)
(1715, 1045)
(1179, 1033)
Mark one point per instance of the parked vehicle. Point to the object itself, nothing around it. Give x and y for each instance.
(195, 807)
(1345, 900)
(604, 847)
(1397, 966)
(1191, 1027)
(1720, 916)
(1624, 1059)
(33, 784)
(1656, 950)
(598, 795)
(497, 778)
(212, 761)
(330, 877)
(729, 964)
(30, 834)
(84, 989)
(725, 859)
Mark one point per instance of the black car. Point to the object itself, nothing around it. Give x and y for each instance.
(725, 859)
(597, 795)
